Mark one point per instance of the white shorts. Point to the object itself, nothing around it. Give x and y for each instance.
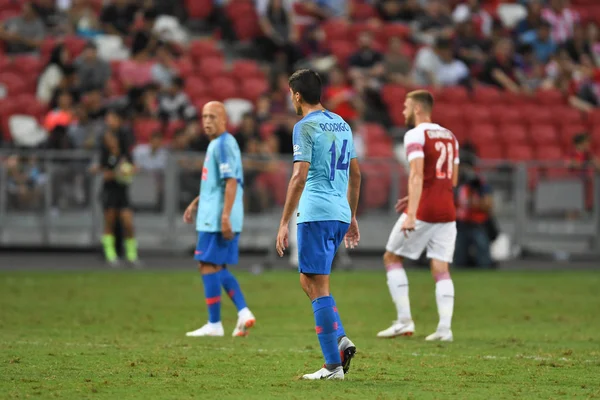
(438, 238)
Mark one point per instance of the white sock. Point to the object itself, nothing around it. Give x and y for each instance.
(444, 296)
(398, 284)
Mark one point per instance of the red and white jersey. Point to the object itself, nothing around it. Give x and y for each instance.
(562, 23)
(439, 148)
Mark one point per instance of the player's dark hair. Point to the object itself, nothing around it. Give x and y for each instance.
(423, 97)
(308, 84)
(580, 138)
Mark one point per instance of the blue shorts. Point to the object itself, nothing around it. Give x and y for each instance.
(213, 249)
(318, 242)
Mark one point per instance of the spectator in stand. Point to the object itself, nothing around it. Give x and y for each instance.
(260, 163)
(163, 70)
(117, 17)
(530, 72)
(562, 20)
(434, 23)
(92, 72)
(578, 47)
(325, 9)
(54, 20)
(397, 65)
(280, 95)
(471, 48)
(437, 66)
(94, 105)
(588, 89)
(528, 25)
(152, 156)
(263, 109)
(339, 96)
(471, 11)
(398, 11)
(542, 43)
(367, 62)
(25, 182)
(593, 37)
(53, 74)
(25, 33)
(144, 101)
(281, 140)
(279, 43)
(583, 164)
(57, 122)
(144, 39)
(500, 69)
(68, 83)
(247, 131)
(371, 106)
(136, 71)
(83, 132)
(174, 104)
(83, 19)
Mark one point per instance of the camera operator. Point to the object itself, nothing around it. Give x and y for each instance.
(473, 217)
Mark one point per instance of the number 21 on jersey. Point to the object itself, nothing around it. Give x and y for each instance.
(446, 156)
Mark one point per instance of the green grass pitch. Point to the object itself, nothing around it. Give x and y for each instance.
(121, 335)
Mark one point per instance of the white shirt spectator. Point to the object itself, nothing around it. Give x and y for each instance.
(428, 66)
(148, 160)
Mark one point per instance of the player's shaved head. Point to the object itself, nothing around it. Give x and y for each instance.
(214, 118)
(417, 107)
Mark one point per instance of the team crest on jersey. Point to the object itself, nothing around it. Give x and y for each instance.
(297, 151)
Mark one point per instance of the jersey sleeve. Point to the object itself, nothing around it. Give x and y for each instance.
(353, 151)
(414, 140)
(456, 157)
(226, 158)
(303, 143)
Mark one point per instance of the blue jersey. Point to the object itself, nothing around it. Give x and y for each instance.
(324, 139)
(223, 161)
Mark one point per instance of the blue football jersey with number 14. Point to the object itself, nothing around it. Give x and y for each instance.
(324, 139)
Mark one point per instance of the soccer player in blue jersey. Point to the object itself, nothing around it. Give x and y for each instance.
(219, 216)
(325, 186)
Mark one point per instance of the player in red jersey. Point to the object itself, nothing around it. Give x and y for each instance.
(430, 217)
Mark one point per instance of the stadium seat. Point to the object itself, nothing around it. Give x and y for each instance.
(144, 128)
(246, 69)
(28, 65)
(204, 48)
(362, 11)
(223, 88)
(503, 114)
(513, 134)
(172, 128)
(211, 67)
(359, 27)
(594, 117)
(549, 97)
(377, 183)
(199, 9)
(396, 30)
(75, 45)
(519, 153)
(200, 102)
(452, 95)
(476, 114)
(392, 94)
(483, 134)
(11, 84)
(196, 87)
(184, 66)
(488, 95)
(253, 88)
(26, 131)
(568, 131)
(247, 28)
(336, 29)
(342, 50)
(543, 135)
(549, 153)
(490, 152)
(564, 115)
(534, 114)
(374, 132)
(238, 9)
(267, 130)
(380, 149)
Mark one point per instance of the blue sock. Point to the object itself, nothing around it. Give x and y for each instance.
(212, 292)
(326, 327)
(340, 328)
(232, 287)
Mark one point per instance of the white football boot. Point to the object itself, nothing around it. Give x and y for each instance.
(209, 329)
(324, 373)
(246, 320)
(398, 329)
(444, 335)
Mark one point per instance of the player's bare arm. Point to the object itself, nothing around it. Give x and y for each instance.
(295, 188)
(415, 188)
(455, 176)
(190, 211)
(230, 189)
(353, 235)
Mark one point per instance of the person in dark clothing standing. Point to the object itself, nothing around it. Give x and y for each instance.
(117, 170)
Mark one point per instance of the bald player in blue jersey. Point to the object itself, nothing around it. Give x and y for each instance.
(219, 211)
(325, 186)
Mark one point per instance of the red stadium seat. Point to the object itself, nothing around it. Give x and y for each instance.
(543, 135)
(513, 134)
(377, 179)
(184, 67)
(199, 9)
(564, 115)
(374, 133)
(380, 149)
(172, 128)
(342, 50)
(502, 114)
(362, 11)
(536, 114)
(447, 111)
(204, 48)
(253, 88)
(396, 30)
(359, 27)
(488, 95)
(223, 88)
(144, 128)
(75, 45)
(247, 27)
(211, 67)
(549, 97)
(28, 65)
(594, 117)
(245, 69)
(239, 9)
(200, 102)
(475, 114)
(336, 29)
(520, 153)
(196, 87)
(549, 153)
(569, 131)
(483, 134)
(267, 130)
(393, 94)
(453, 95)
(12, 83)
(490, 152)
